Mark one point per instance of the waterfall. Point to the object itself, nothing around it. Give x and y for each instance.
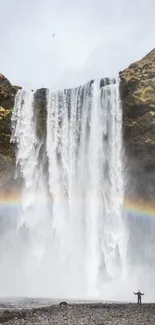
(72, 209)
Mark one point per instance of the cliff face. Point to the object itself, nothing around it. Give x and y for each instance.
(7, 95)
(137, 89)
(7, 154)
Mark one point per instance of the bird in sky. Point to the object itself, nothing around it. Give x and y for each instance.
(53, 35)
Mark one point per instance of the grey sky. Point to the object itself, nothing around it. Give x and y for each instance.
(94, 38)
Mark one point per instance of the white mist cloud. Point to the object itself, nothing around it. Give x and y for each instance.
(93, 39)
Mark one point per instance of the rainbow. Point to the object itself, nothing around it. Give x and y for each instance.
(139, 207)
(132, 206)
(9, 200)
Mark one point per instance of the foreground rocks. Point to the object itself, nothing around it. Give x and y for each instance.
(97, 314)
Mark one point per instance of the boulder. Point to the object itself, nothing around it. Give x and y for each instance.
(63, 303)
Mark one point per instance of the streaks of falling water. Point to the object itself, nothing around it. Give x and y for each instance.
(84, 146)
(77, 242)
(31, 172)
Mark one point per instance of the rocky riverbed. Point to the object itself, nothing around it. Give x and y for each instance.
(81, 314)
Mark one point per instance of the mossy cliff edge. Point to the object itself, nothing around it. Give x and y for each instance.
(137, 89)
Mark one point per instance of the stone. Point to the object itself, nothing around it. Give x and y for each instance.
(63, 303)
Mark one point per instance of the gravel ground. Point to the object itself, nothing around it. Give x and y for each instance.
(98, 314)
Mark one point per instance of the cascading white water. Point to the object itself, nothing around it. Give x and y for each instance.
(77, 241)
(27, 160)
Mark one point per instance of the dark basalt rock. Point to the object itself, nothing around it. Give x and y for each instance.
(63, 303)
(40, 112)
(7, 93)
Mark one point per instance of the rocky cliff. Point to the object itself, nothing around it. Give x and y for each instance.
(7, 95)
(7, 152)
(137, 88)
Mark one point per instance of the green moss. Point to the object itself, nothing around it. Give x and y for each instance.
(152, 113)
(5, 132)
(147, 91)
(134, 123)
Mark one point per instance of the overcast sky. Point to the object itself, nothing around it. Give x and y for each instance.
(94, 38)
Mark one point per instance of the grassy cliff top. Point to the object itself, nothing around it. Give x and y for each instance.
(138, 86)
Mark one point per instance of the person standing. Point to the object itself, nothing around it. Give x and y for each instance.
(139, 295)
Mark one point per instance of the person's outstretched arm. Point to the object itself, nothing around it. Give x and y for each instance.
(135, 293)
(143, 294)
